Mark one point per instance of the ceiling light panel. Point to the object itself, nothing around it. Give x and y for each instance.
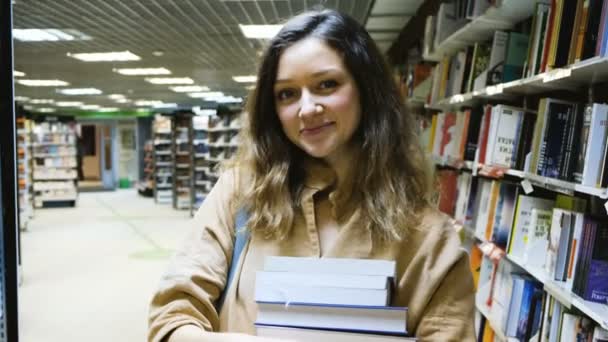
(43, 83)
(206, 94)
(170, 80)
(245, 79)
(123, 56)
(41, 101)
(90, 107)
(189, 89)
(68, 103)
(142, 103)
(80, 91)
(142, 71)
(18, 73)
(48, 35)
(260, 31)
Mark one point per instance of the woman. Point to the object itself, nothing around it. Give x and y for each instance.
(329, 167)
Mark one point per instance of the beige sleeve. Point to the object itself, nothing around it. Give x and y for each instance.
(197, 273)
(449, 316)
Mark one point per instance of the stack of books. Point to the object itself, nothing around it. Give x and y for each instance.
(328, 299)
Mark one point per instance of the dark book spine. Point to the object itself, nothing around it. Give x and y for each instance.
(581, 251)
(467, 69)
(558, 115)
(576, 143)
(596, 289)
(473, 133)
(586, 259)
(604, 174)
(564, 170)
(579, 166)
(593, 25)
(525, 139)
(565, 33)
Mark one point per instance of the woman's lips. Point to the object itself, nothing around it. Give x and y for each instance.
(316, 129)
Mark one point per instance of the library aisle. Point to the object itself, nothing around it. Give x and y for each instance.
(89, 272)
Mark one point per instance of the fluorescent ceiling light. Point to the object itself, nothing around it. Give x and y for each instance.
(68, 103)
(206, 94)
(41, 101)
(43, 83)
(189, 89)
(142, 103)
(165, 105)
(142, 71)
(250, 87)
(28, 107)
(260, 31)
(46, 110)
(18, 73)
(116, 96)
(228, 99)
(90, 107)
(122, 101)
(122, 56)
(245, 79)
(80, 91)
(108, 109)
(52, 35)
(21, 98)
(170, 80)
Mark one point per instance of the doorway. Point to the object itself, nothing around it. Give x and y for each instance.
(97, 169)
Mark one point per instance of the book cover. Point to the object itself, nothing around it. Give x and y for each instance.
(524, 145)
(576, 28)
(572, 144)
(338, 317)
(481, 62)
(471, 203)
(554, 137)
(595, 144)
(475, 257)
(592, 28)
(448, 137)
(537, 137)
(473, 130)
(324, 265)
(468, 67)
(535, 252)
(448, 180)
(563, 247)
(462, 196)
(566, 28)
(580, 39)
(515, 58)
(559, 6)
(557, 223)
(549, 36)
(505, 135)
(497, 58)
(484, 133)
(504, 214)
(319, 335)
(540, 43)
(582, 251)
(522, 223)
(596, 289)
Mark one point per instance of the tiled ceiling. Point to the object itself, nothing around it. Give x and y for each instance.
(199, 39)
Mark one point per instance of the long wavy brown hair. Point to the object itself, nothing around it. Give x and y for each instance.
(392, 181)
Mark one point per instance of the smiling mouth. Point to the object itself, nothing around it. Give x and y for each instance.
(316, 129)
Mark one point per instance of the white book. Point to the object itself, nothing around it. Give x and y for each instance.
(483, 212)
(464, 188)
(497, 57)
(342, 317)
(494, 118)
(372, 267)
(307, 335)
(596, 142)
(268, 292)
(351, 281)
(553, 241)
(438, 134)
(505, 135)
(536, 248)
(522, 228)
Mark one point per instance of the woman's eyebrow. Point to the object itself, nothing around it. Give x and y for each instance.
(314, 74)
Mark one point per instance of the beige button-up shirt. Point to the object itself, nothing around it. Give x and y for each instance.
(433, 276)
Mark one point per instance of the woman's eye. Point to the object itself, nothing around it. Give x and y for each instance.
(328, 84)
(285, 94)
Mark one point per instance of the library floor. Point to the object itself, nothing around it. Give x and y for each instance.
(89, 272)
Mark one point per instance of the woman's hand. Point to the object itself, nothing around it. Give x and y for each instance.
(192, 333)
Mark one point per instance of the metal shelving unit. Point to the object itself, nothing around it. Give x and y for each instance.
(162, 160)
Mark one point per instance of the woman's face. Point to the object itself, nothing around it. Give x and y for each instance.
(317, 99)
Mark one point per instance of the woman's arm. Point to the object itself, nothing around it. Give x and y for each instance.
(197, 273)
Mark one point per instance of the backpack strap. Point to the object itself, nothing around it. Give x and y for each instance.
(241, 239)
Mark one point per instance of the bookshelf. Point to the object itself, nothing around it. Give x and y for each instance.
(24, 171)
(202, 167)
(183, 166)
(54, 175)
(465, 157)
(162, 160)
(509, 13)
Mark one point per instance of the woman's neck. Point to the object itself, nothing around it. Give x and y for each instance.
(343, 164)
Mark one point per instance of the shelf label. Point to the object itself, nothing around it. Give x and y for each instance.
(556, 75)
(494, 90)
(527, 186)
